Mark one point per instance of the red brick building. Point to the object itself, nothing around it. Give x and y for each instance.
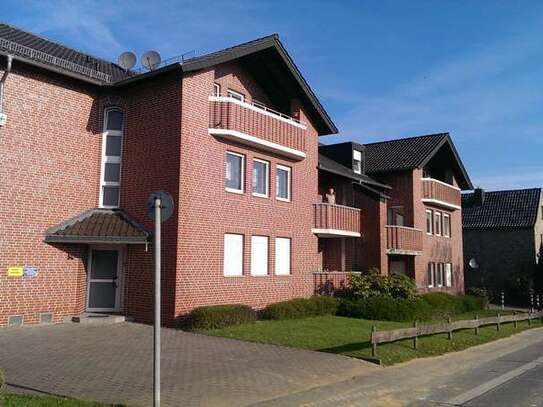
(233, 137)
(408, 192)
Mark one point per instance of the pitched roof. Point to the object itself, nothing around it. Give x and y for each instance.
(98, 226)
(501, 209)
(32, 47)
(40, 51)
(329, 165)
(410, 153)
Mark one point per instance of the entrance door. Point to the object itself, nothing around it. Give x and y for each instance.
(397, 267)
(103, 292)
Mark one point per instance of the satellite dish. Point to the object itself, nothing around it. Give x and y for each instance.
(151, 60)
(127, 60)
(473, 263)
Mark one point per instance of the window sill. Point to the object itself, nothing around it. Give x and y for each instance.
(283, 200)
(260, 195)
(234, 191)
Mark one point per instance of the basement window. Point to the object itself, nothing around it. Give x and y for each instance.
(15, 320)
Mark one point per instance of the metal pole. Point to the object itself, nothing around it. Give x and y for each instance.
(156, 327)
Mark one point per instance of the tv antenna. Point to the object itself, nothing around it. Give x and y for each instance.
(127, 60)
(151, 60)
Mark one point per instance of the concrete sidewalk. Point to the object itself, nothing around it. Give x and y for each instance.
(114, 364)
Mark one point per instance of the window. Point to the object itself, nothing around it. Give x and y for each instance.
(261, 171)
(437, 223)
(283, 183)
(429, 222)
(259, 255)
(234, 172)
(448, 275)
(446, 225)
(357, 161)
(282, 256)
(396, 216)
(110, 178)
(439, 274)
(216, 89)
(431, 267)
(233, 255)
(235, 95)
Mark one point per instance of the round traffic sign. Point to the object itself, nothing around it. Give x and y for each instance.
(166, 205)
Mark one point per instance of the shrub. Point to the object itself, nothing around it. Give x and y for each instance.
(2, 381)
(301, 308)
(443, 304)
(385, 308)
(219, 316)
(377, 285)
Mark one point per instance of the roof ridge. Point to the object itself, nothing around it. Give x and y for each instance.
(507, 190)
(445, 134)
(57, 43)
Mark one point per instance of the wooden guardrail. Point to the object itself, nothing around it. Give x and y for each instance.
(448, 327)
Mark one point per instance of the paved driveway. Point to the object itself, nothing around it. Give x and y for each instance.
(114, 364)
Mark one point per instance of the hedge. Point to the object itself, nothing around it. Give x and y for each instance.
(218, 316)
(424, 307)
(301, 308)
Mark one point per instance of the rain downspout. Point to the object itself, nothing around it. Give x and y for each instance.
(3, 80)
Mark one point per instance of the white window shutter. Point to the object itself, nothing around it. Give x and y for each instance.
(233, 255)
(259, 255)
(282, 256)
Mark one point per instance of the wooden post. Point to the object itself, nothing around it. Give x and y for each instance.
(477, 325)
(373, 344)
(450, 328)
(515, 319)
(415, 339)
(529, 319)
(498, 324)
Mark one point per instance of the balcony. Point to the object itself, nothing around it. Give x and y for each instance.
(257, 126)
(403, 240)
(336, 220)
(439, 193)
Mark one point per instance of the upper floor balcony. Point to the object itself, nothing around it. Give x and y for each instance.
(403, 240)
(256, 125)
(439, 193)
(336, 220)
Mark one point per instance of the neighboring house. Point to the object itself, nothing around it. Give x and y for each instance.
(408, 192)
(503, 232)
(232, 135)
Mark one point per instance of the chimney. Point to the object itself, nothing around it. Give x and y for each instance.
(479, 196)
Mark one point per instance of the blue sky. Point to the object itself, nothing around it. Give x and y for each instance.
(383, 69)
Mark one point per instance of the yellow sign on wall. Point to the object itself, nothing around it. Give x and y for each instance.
(15, 271)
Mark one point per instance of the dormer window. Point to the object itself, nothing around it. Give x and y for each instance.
(357, 161)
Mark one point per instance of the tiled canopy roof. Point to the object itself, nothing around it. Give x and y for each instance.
(98, 226)
(501, 209)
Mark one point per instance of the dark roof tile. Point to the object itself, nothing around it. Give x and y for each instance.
(501, 209)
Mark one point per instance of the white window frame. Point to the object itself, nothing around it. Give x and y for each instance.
(448, 274)
(267, 186)
(289, 183)
(431, 213)
(242, 173)
(227, 272)
(359, 159)
(259, 268)
(448, 223)
(437, 222)
(216, 89)
(431, 274)
(235, 95)
(278, 271)
(110, 159)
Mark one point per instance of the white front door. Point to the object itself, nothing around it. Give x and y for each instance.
(103, 291)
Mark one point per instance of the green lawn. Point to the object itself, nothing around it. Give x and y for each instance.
(350, 337)
(16, 400)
